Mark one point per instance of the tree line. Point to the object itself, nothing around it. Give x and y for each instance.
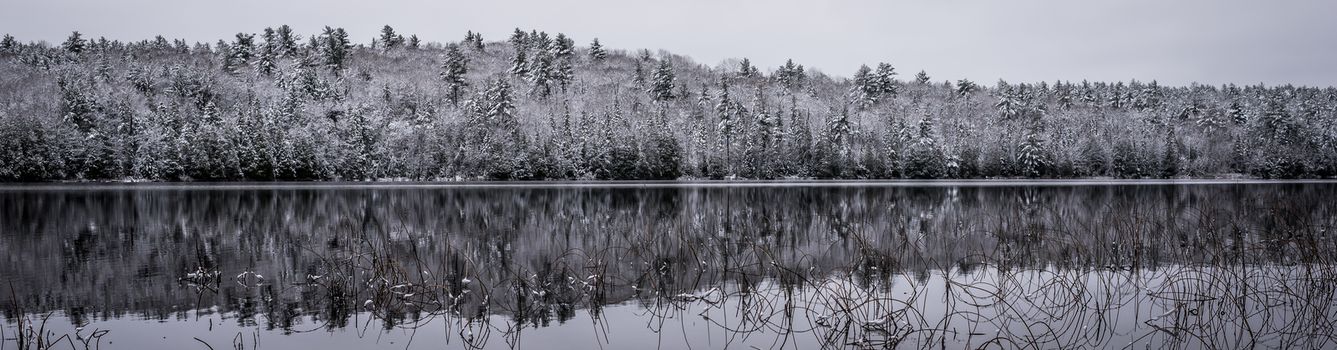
(280, 106)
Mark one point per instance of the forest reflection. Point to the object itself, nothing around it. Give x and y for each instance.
(831, 263)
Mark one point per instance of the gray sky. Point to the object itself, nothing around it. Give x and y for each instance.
(1173, 41)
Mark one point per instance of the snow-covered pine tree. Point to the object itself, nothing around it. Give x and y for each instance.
(922, 77)
(746, 70)
(519, 39)
(539, 41)
(562, 48)
(389, 40)
(413, 42)
(724, 111)
(884, 80)
(790, 75)
(1236, 113)
(75, 43)
(453, 68)
(838, 131)
(500, 105)
(1031, 155)
(265, 63)
(865, 89)
(519, 64)
(335, 48)
(540, 73)
(474, 41)
(8, 44)
(287, 41)
(965, 88)
(661, 88)
(243, 49)
(597, 51)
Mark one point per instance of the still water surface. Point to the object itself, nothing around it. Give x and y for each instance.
(906, 265)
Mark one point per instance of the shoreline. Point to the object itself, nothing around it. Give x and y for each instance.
(693, 183)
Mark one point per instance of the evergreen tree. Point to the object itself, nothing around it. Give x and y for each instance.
(638, 75)
(287, 41)
(1236, 113)
(1171, 163)
(1032, 156)
(453, 68)
(966, 87)
(75, 43)
(746, 70)
(562, 47)
(9, 45)
(474, 41)
(519, 39)
(268, 54)
(519, 64)
(662, 87)
(540, 73)
(866, 88)
(597, 51)
(790, 75)
(335, 48)
(922, 77)
(243, 49)
(724, 111)
(389, 40)
(838, 131)
(413, 42)
(884, 80)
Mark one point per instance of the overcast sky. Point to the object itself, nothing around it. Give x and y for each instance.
(1173, 41)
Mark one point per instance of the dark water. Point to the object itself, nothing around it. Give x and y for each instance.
(1072, 265)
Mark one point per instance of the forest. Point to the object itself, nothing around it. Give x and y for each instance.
(278, 105)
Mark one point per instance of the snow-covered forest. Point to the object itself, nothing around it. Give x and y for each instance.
(278, 105)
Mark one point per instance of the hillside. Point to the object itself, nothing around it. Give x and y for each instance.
(283, 106)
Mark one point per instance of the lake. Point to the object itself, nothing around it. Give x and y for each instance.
(1069, 264)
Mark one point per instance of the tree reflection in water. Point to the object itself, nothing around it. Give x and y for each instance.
(1215, 266)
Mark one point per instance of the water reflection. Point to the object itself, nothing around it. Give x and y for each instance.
(1054, 266)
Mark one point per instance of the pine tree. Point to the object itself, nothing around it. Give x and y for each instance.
(519, 64)
(9, 45)
(519, 39)
(474, 41)
(638, 75)
(563, 74)
(965, 87)
(1031, 155)
(724, 110)
(389, 40)
(597, 51)
(413, 42)
(865, 89)
(1236, 113)
(268, 54)
(75, 43)
(1171, 164)
(746, 70)
(499, 107)
(243, 49)
(662, 87)
(453, 68)
(884, 80)
(790, 75)
(540, 73)
(335, 48)
(838, 131)
(922, 77)
(287, 41)
(562, 47)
